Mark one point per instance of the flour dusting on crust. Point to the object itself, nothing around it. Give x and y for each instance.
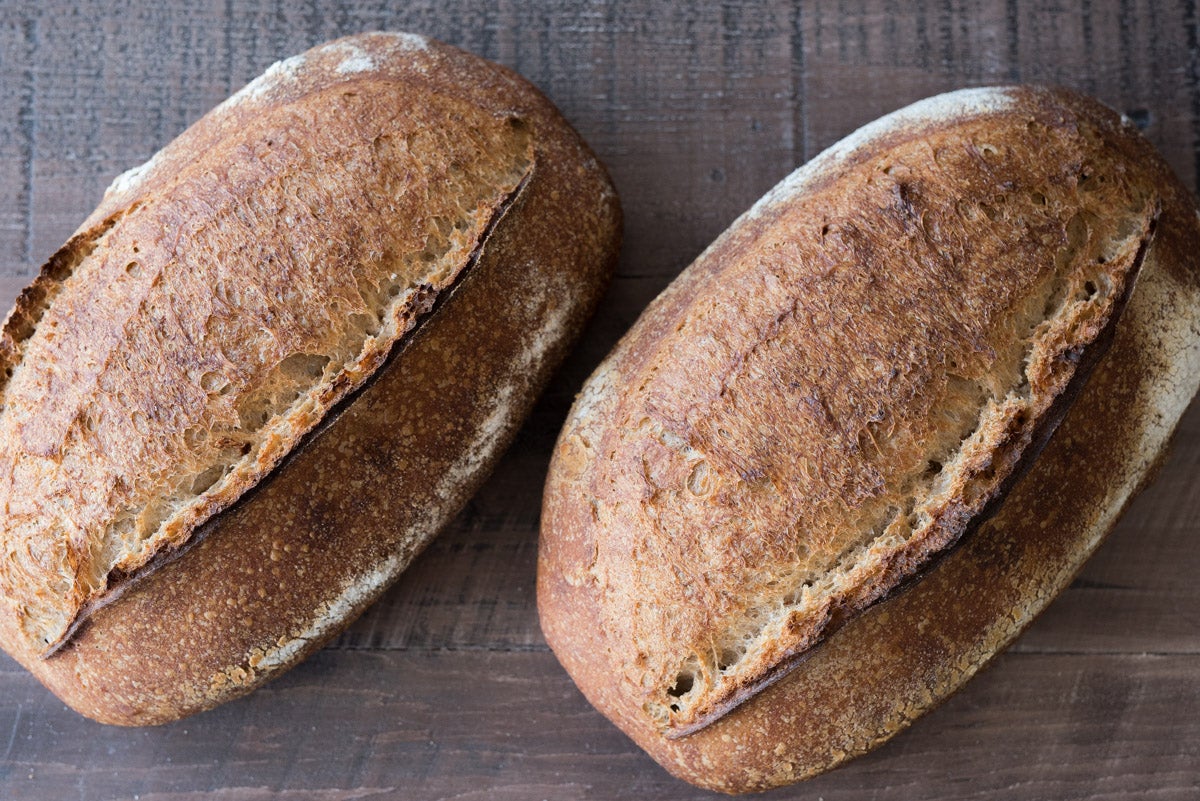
(919, 115)
(132, 178)
(408, 41)
(354, 58)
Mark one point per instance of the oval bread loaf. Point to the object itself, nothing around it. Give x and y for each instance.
(839, 392)
(276, 360)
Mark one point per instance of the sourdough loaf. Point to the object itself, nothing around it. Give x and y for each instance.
(839, 391)
(276, 359)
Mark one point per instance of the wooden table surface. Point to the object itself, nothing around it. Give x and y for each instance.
(445, 689)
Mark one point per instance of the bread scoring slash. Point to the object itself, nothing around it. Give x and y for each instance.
(839, 391)
(312, 248)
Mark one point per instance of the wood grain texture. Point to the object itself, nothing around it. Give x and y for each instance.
(1032, 727)
(444, 689)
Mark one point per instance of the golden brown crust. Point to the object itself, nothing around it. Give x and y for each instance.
(102, 475)
(868, 681)
(294, 561)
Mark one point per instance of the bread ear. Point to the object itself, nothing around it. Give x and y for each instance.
(837, 393)
(288, 352)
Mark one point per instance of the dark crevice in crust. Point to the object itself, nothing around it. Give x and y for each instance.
(426, 303)
(1086, 359)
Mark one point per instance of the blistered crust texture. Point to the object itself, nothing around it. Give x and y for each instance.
(353, 263)
(101, 471)
(829, 397)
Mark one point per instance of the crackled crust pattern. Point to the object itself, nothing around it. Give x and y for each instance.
(213, 310)
(203, 296)
(261, 584)
(911, 309)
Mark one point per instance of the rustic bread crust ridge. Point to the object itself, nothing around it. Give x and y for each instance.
(689, 565)
(361, 481)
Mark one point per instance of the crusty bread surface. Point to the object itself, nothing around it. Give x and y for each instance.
(834, 396)
(276, 360)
